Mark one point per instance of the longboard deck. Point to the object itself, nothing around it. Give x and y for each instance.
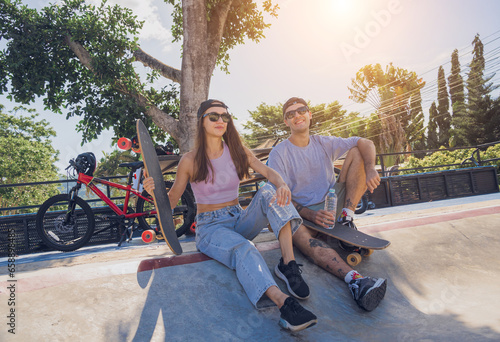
(160, 196)
(350, 236)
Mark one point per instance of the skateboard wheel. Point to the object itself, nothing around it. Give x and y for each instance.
(193, 228)
(135, 142)
(136, 150)
(368, 252)
(124, 144)
(148, 236)
(353, 259)
(346, 246)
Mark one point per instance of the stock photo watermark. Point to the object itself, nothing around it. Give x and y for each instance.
(11, 288)
(363, 35)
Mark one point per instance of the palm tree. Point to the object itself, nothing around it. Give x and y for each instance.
(390, 92)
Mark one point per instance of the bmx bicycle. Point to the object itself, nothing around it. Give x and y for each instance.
(66, 222)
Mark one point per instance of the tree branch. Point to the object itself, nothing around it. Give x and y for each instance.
(80, 52)
(215, 31)
(164, 121)
(151, 62)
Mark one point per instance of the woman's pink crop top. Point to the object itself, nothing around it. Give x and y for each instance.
(225, 185)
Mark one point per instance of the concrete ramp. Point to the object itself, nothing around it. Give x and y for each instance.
(443, 284)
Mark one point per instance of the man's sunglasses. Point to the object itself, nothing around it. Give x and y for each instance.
(214, 117)
(291, 114)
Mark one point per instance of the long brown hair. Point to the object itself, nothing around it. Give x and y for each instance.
(233, 141)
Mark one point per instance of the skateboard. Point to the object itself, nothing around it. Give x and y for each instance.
(160, 196)
(357, 243)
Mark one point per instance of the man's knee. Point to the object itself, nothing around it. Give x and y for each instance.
(353, 168)
(354, 155)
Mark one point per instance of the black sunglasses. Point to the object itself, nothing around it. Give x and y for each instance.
(214, 117)
(291, 114)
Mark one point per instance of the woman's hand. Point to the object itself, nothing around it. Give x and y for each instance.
(283, 196)
(149, 185)
(324, 218)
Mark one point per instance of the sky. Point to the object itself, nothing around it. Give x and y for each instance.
(313, 50)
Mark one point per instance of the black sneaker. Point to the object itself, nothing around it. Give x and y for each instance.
(294, 317)
(368, 292)
(348, 222)
(290, 274)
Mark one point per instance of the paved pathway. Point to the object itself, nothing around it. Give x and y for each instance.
(442, 267)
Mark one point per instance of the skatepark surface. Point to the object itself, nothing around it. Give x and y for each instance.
(442, 267)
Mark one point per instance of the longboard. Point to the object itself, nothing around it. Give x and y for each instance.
(160, 196)
(359, 243)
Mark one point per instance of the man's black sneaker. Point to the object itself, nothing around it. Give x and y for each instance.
(368, 292)
(348, 222)
(294, 317)
(290, 274)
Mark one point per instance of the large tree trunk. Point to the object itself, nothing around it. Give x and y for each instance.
(195, 74)
(201, 46)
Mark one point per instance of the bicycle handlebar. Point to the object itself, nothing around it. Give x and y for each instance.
(75, 165)
(71, 164)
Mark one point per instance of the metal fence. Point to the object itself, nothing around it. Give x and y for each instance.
(18, 232)
(435, 185)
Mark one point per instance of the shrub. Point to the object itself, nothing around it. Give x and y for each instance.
(449, 160)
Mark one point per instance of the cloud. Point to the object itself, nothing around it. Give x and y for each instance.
(147, 11)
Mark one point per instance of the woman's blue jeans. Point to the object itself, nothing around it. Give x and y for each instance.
(224, 235)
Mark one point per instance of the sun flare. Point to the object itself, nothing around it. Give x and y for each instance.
(345, 11)
(341, 6)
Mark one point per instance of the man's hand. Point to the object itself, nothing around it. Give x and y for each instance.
(372, 179)
(323, 218)
(367, 149)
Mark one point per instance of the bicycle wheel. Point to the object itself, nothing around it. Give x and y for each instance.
(184, 213)
(362, 205)
(63, 228)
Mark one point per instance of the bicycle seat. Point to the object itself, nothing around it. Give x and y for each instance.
(133, 165)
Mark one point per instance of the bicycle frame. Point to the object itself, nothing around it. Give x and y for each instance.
(90, 182)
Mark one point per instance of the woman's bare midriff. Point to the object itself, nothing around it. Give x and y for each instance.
(203, 208)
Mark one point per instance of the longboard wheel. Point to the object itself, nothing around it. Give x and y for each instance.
(148, 236)
(353, 259)
(367, 252)
(124, 144)
(136, 150)
(193, 228)
(346, 246)
(135, 142)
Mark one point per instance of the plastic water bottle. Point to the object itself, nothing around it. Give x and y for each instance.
(331, 204)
